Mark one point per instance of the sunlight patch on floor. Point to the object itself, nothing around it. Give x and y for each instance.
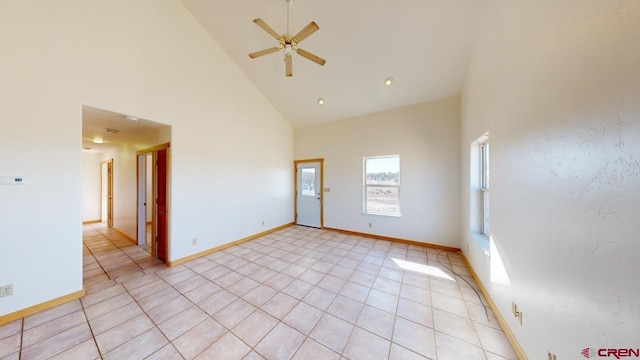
(423, 269)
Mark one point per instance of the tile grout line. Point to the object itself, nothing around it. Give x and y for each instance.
(93, 336)
(433, 317)
(94, 256)
(21, 338)
(395, 317)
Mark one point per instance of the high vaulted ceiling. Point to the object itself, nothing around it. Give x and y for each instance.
(424, 45)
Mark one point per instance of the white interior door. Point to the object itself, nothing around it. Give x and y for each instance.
(103, 192)
(308, 194)
(142, 199)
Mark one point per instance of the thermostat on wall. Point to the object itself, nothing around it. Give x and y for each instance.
(11, 180)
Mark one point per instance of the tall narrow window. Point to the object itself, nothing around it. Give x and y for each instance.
(382, 185)
(484, 185)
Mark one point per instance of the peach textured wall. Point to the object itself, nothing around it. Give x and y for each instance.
(557, 85)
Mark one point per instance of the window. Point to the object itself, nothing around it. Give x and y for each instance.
(309, 182)
(484, 185)
(382, 185)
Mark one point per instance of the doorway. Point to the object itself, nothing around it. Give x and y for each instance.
(309, 194)
(106, 195)
(152, 200)
(145, 201)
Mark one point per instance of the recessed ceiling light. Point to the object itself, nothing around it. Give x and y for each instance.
(97, 140)
(131, 118)
(388, 81)
(320, 101)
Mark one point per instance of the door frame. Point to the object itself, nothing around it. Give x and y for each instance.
(295, 191)
(109, 190)
(144, 175)
(153, 151)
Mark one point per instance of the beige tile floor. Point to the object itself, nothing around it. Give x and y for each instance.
(297, 293)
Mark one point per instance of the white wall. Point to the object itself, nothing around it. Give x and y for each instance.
(91, 186)
(557, 85)
(151, 59)
(426, 136)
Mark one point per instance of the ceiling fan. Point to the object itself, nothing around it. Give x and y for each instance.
(288, 43)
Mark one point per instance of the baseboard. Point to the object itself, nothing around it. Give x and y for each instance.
(503, 324)
(396, 240)
(5, 319)
(227, 245)
(126, 236)
(91, 222)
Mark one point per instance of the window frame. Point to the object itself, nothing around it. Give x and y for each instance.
(484, 185)
(365, 209)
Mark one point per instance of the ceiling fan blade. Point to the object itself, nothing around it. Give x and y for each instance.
(256, 54)
(267, 28)
(304, 33)
(288, 66)
(316, 59)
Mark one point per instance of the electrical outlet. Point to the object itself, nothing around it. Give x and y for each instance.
(262, 222)
(6, 290)
(194, 241)
(370, 225)
(551, 355)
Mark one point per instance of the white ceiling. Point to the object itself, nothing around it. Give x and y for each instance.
(423, 44)
(96, 121)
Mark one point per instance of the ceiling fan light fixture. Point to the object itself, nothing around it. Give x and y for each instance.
(288, 43)
(320, 101)
(388, 81)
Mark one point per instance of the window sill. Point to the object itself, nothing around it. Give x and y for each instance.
(385, 215)
(482, 240)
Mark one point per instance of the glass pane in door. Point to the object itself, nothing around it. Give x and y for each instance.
(309, 182)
